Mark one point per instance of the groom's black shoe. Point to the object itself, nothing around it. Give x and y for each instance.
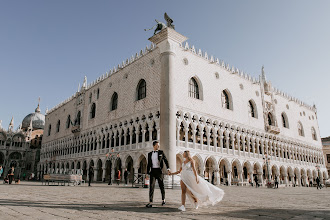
(163, 202)
(149, 205)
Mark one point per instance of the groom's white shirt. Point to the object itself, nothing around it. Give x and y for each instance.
(155, 161)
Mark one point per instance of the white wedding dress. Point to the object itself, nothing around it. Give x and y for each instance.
(204, 192)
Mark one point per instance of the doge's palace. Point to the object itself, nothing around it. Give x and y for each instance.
(236, 127)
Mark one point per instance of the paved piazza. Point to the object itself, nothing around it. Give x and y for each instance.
(33, 201)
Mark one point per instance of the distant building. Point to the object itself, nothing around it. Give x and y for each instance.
(326, 152)
(188, 100)
(20, 148)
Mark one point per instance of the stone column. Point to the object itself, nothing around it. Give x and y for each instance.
(96, 173)
(229, 177)
(215, 141)
(177, 135)
(168, 41)
(194, 138)
(186, 136)
(216, 177)
(240, 178)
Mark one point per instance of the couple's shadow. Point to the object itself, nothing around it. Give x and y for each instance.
(140, 207)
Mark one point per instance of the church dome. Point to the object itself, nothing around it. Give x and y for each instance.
(38, 120)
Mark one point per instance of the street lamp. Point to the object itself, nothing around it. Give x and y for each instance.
(267, 160)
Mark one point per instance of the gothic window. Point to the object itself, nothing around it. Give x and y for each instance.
(300, 129)
(92, 111)
(285, 121)
(314, 136)
(98, 94)
(270, 119)
(141, 89)
(58, 126)
(226, 100)
(193, 88)
(252, 109)
(68, 121)
(49, 129)
(78, 118)
(114, 101)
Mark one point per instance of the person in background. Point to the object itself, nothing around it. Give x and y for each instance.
(318, 185)
(11, 175)
(91, 175)
(256, 181)
(276, 183)
(212, 178)
(126, 176)
(1, 171)
(118, 177)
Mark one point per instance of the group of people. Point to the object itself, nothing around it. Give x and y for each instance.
(118, 176)
(10, 175)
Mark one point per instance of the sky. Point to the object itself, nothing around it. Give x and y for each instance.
(47, 47)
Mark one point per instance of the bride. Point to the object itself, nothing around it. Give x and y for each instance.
(199, 191)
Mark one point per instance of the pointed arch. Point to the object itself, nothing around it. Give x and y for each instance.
(226, 99)
(285, 121)
(141, 90)
(270, 119)
(252, 109)
(68, 121)
(300, 129)
(314, 135)
(114, 102)
(92, 111)
(195, 88)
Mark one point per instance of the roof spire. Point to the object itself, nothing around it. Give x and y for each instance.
(11, 124)
(84, 85)
(38, 107)
(263, 73)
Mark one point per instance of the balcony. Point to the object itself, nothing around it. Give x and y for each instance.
(75, 129)
(273, 129)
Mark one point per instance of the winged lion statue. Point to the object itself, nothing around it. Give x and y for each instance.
(160, 25)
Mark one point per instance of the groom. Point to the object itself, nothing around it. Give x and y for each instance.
(154, 169)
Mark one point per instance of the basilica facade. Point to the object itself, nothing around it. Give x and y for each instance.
(20, 148)
(236, 127)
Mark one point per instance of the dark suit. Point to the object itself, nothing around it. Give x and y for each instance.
(156, 173)
(10, 175)
(91, 175)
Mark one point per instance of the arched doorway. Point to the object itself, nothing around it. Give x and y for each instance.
(78, 171)
(224, 168)
(236, 171)
(129, 167)
(99, 170)
(257, 173)
(209, 169)
(198, 162)
(143, 165)
(118, 167)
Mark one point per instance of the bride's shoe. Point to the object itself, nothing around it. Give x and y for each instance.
(182, 208)
(196, 205)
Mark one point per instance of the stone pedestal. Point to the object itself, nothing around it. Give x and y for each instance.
(168, 41)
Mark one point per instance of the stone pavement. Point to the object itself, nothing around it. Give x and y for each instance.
(31, 200)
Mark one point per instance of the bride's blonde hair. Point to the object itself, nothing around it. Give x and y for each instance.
(188, 155)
